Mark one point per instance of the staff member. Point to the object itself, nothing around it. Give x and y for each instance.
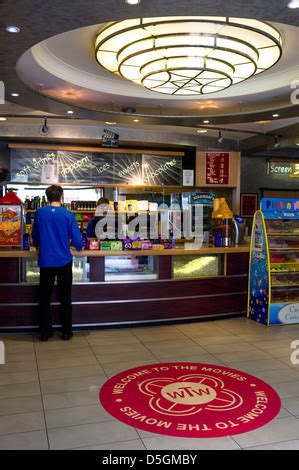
(52, 231)
(100, 213)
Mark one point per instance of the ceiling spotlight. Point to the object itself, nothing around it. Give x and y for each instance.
(293, 4)
(202, 131)
(276, 142)
(110, 123)
(136, 120)
(44, 130)
(297, 144)
(128, 110)
(220, 138)
(2, 118)
(206, 122)
(12, 29)
(188, 55)
(275, 115)
(70, 112)
(132, 2)
(14, 94)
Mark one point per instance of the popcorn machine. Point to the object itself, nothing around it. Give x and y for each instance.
(11, 220)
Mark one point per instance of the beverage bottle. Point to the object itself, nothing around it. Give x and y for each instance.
(27, 203)
(217, 239)
(44, 202)
(32, 204)
(26, 242)
(84, 242)
(28, 218)
(38, 202)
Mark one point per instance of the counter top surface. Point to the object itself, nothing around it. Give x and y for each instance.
(14, 253)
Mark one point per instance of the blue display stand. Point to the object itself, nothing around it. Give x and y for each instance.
(273, 289)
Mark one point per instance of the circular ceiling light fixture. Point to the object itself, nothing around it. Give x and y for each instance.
(132, 2)
(188, 55)
(293, 4)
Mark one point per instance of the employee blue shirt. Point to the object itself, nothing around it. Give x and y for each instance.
(52, 231)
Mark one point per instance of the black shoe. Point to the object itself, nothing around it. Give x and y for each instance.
(66, 336)
(45, 337)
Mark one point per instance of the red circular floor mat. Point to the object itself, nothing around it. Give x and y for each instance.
(185, 399)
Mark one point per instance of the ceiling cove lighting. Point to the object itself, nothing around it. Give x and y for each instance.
(132, 2)
(188, 55)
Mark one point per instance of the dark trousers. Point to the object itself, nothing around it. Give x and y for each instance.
(64, 283)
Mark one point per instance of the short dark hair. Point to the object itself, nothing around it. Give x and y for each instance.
(54, 193)
(103, 200)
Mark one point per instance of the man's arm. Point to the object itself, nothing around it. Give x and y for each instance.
(35, 231)
(75, 234)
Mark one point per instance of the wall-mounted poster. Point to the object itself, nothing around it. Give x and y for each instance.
(217, 168)
(248, 204)
(188, 177)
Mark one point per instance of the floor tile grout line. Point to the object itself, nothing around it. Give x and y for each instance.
(41, 395)
(94, 355)
(103, 444)
(22, 432)
(269, 444)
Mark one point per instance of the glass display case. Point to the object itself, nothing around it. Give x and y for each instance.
(196, 266)
(30, 270)
(274, 263)
(130, 268)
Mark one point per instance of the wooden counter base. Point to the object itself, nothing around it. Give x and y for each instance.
(113, 303)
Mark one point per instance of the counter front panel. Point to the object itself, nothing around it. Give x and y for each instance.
(129, 289)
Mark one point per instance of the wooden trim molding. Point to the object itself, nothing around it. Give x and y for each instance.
(94, 149)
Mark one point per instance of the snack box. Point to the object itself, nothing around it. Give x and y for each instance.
(146, 245)
(132, 244)
(105, 245)
(93, 244)
(168, 244)
(116, 245)
(158, 246)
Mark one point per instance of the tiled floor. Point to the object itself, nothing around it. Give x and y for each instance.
(49, 391)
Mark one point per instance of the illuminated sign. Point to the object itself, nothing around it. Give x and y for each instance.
(290, 169)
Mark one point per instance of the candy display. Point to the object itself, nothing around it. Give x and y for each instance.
(274, 263)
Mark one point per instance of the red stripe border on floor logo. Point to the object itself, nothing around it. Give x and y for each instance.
(185, 399)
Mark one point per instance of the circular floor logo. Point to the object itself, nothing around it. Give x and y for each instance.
(186, 399)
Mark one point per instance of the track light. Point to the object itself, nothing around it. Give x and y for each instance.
(276, 142)
(44, 130)
(220, 138)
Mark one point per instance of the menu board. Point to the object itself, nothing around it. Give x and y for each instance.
(41, 166)
(27, 164)
(128, 169)
(102, 168)
(159, 170)
(217, 168)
